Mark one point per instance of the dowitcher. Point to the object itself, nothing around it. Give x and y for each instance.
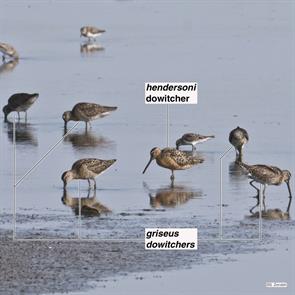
(86, 112)
(267, 175)
(8, 50)
(172, 159)
(90, 32)
(192, 139)
(19, 102)
(238, 138)
(86, 169)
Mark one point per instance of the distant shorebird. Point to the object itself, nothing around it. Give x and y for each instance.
(90, 32)
(8, 50)
(86, 169)
(192, 139)
(267, 175)
(238, 138)
(172, 159)
(19, 102)
(86, 112)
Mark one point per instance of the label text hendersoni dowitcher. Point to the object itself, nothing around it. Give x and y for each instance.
(171, 93)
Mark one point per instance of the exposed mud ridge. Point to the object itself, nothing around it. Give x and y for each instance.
(47, 266)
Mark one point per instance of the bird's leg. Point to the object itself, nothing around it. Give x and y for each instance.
(257, 204)
(172, 175)
(263, 196)
(89, 183)
(256, 188)
(290, 196)
(18, 115)
(3, 58)
(26, 116)
(94, 183)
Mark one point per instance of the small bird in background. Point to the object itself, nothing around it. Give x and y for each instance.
(267, 175)
(172, 159)
(192, 139)
(86, 169)
(238, 138)
(19, 102)
(86, 112)
(90, 32)
(8, 51)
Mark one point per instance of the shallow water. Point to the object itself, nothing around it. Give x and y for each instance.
(241, 54)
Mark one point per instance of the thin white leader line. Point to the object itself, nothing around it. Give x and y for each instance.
(221, 195)
(260, 213)
(167, 125)
(45, 155)
(79, 217)
(14, 179)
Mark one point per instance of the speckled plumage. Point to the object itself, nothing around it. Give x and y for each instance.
(267, 175)
(192, 139)
(172, 159)
(90, 32)
(87, 169)
(8, 50)
(19, 102)
(87, 112)
(238, 137)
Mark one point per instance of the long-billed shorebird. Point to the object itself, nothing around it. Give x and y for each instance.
(238, 138)
(267, 175)
(8, 50)
(192, 139)
(90, 32)
(19, 102)
(86, 112)
(86, 169)
(172, 159)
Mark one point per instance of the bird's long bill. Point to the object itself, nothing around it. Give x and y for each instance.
(150, 161)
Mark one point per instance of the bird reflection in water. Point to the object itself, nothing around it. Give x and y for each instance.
(24, 133)
(272, 214)
(8, 66)
(236, 172)
(89, 48)
(171, 196)
(87, 139)
(89, 205)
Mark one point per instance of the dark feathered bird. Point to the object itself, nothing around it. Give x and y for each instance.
(238, 138)
(19, 102)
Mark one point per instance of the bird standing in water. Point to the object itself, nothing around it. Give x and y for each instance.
(238, 138)
(86, 169)
(192, 139)
(19, 102)
(172, 159)
(90, 32)
(86, 112)
(267, 175)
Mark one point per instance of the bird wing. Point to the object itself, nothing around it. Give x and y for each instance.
(91, 109)
(263, 171)
(18, 99)
(93, 165)
(180, 157)
(190, 136)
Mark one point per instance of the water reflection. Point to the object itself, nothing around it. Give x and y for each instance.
(88, 48)
(272, 214)
(89, 205)
(8, 66)
(171, 196)
(87, 139)
(24, 133)
(236, 172)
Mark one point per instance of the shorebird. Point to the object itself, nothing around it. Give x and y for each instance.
(90, 32)
(172, 159)
(86, 169)
(8, 50)
(19, 102)
(86, 112)
(267, 175)
(192, 139)
(238, 138)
